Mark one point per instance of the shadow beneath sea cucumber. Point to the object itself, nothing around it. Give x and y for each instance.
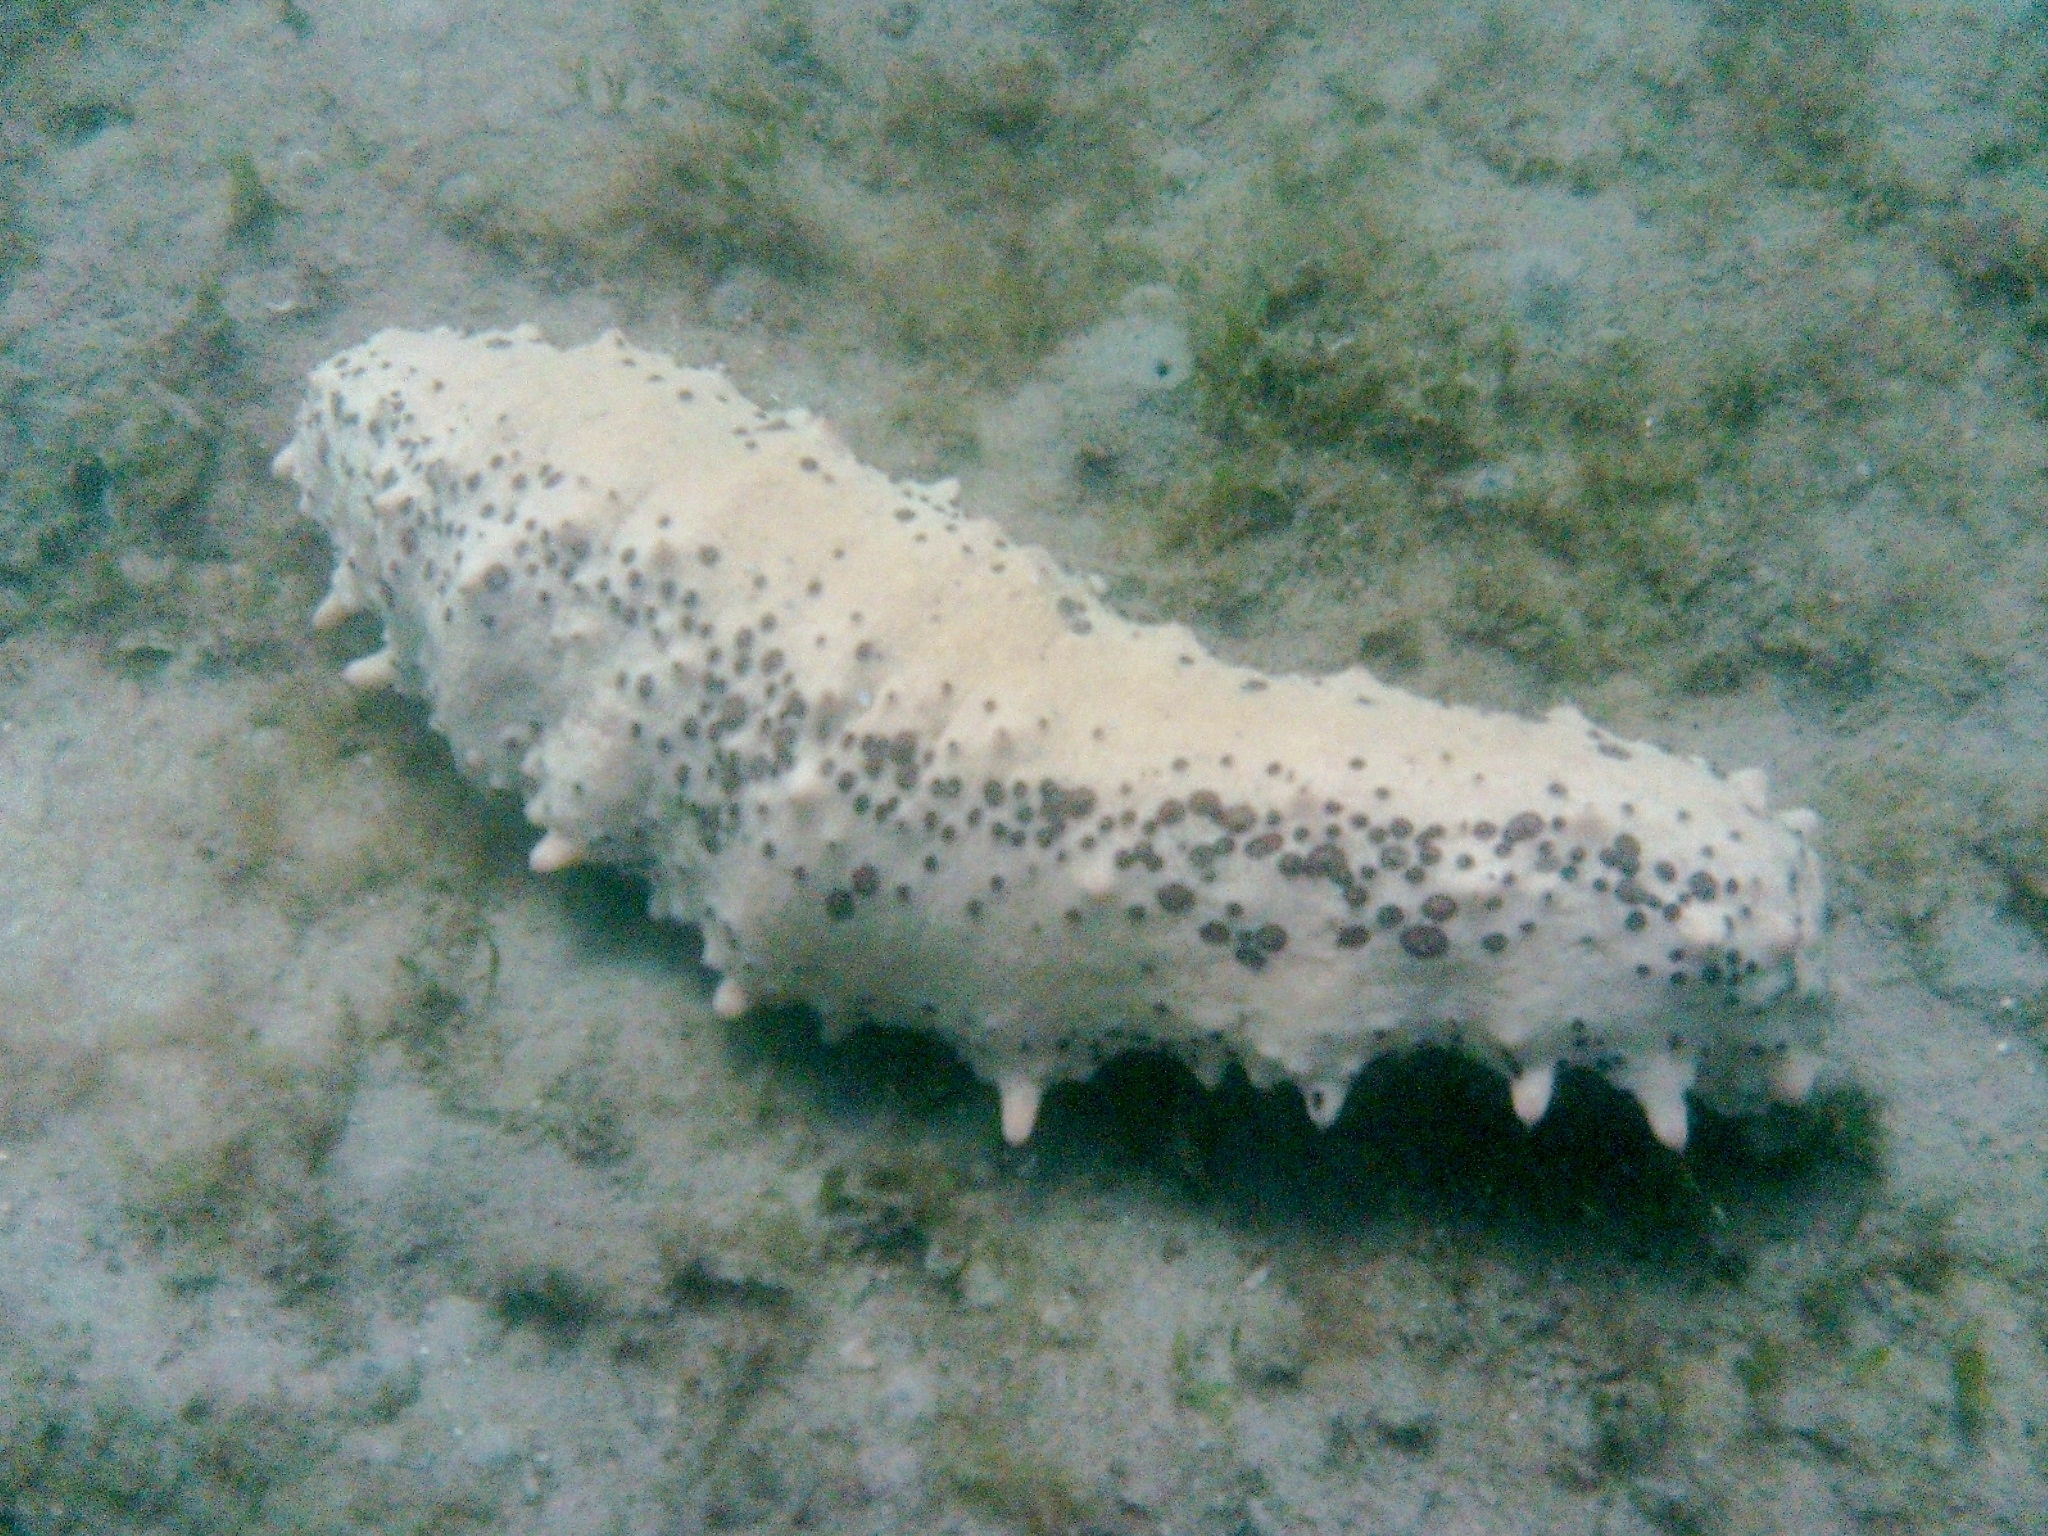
(1425, 1137)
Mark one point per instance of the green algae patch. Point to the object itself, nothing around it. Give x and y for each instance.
(1798, 83)
(43, 1076)
(1540, 104)
(32, 25)
(1011, 182)
(83, 1457)
(254, 210)
(441, 1016)
(554, 1301)
(240, 1187)
(17, 244)
(1320, 317)
(1971, 1381)
(996, 1473)
(963, 213)
(701, 199)
(900, 1204)
(1359, 389)
(1200, 1375)
(1764, 1368)
(148, 450)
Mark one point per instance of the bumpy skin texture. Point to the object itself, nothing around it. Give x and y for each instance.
(906, 771)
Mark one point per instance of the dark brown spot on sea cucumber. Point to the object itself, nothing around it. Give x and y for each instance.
(1425, 941)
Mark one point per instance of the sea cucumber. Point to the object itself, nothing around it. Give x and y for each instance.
(900, 768)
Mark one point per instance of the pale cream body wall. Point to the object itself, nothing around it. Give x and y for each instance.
(841, 641)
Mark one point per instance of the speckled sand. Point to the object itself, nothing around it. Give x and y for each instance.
(354, 1178)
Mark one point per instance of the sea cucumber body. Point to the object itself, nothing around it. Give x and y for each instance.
(904, 770)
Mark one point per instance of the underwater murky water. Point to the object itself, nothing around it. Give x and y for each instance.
(1686, 365)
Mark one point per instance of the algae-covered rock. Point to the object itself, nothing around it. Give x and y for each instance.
(152, 449)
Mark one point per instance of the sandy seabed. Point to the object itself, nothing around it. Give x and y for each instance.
(351, 1178)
